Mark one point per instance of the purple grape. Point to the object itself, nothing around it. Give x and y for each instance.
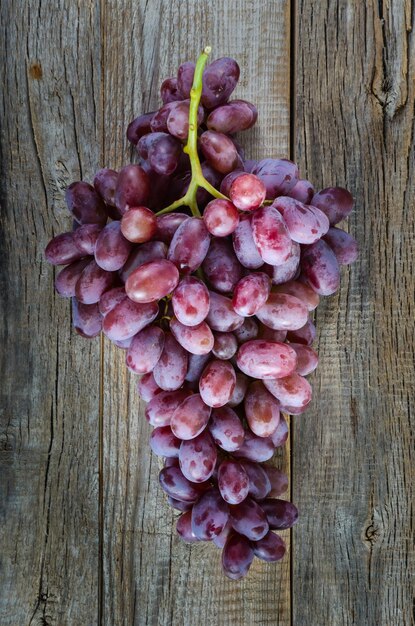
(237, 556)
(219, 81)
(85, 204)
(270, 548)
(280, 513)
(248, 519)
(209, 515)
(226, 429)
(197, 457)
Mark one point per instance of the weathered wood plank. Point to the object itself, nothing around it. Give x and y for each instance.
(353, 460)
(150, 577)
(51, 135)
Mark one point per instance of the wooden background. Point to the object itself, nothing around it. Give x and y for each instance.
(86, 537)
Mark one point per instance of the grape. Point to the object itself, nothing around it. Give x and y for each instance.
(171, 368)
(162, 406)
(65, 282)
(283, 312)
(237, 556)
(279, 176)
(280, 436)
(145, 350)
(270, 548)
(293, 390)
(112, 248)
(197, 457)
(233, 482)
(302, 223)
(320, 268)
(138, 224)
(169, 90)
(217, 383)
(177, 486)
(178, 120)
(305, 335)
(189, 245)
(195, 339)
(209, 515)
(289, 269)
(92, 283)
(227, 181)
(105, 183)
(150, 251)
(190, 418)
(86, 319)
(307, 359)
(110, 299)
(247, 192)
(238, 393)
(164, 443)
(147, 387)
(219, 150)
(184, 528)
(164, 154)
(225, 346)
(219, 81)
(133, 188)
(248, 519)
(259, 483)
(301, 291)
(221, 315)
(221, 539)
(232, 117)
(191, 301)
(343, 245)
(277, 479)
(255, 448)
(127, 318)
(158, 122)
(62, 250)
(85, 204)
(168, 224)
(244, 245)
(196, 366)
(221, 267)
(152, 281)
(269, 334)
(261, 410)
(140, 126)
(249, 330)
(172, 461)
(249, 165)
(185, 76)
(251, 293)
(335, 202)
(226, 429)
(271, 236)
(265, 359)
(85, 237)
(280, 513)
(221, 217)
(179, 506)
(303, 191)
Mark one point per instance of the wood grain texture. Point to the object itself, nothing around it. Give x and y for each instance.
(49, 389)
(353, 459)
(149, 576)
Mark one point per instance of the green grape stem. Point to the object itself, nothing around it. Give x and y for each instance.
(197, 180)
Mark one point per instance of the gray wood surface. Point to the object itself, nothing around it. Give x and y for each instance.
(86, 536)
(353, 452)
(50, 135)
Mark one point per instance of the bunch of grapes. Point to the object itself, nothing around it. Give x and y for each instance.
(211, 303)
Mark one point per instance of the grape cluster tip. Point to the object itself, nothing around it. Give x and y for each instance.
(205, 267)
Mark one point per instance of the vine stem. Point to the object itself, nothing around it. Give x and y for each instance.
(197, 180)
